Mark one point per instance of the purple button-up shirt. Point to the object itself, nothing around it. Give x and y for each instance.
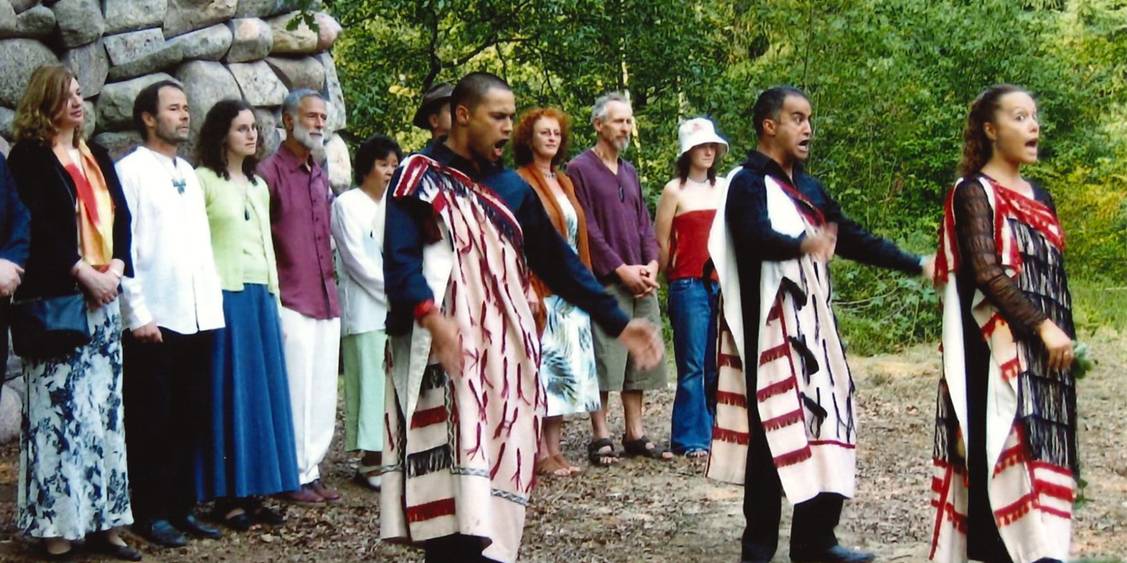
(300, 210)
(619, 229)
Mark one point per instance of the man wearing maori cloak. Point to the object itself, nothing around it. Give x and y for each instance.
(464, 410)
(785, 420)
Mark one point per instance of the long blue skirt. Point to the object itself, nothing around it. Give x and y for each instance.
(249, 446)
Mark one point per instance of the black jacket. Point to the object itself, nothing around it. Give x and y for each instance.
(49, 194)
(756, 242)
(13, 219)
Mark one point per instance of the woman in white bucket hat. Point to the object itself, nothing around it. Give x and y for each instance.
(684, 217)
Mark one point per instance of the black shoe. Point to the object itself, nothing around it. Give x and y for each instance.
(240, 522)
(268, 516)
(67, 555)
(100, 544)
(160, 532)
(194, 526)
(835, 554)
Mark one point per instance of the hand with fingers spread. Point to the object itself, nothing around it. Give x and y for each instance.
(642, 339)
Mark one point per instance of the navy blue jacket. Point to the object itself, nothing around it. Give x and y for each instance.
(756, 242)
(548, 255)
(14, 237)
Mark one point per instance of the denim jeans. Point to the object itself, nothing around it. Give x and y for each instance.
(692, 313)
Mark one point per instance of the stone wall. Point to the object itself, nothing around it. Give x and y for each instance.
(215, 48)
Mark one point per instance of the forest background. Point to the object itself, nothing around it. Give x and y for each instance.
(890, 82)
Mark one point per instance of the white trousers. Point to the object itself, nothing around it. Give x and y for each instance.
(311, 348)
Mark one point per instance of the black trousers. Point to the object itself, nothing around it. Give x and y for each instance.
(456, 548)
(812, 527)
(165, 404)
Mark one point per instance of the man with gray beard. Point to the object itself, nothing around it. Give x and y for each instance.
(624, 257)
(300, 201)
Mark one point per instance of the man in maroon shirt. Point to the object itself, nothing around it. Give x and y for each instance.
(299, 216)
(624, 256)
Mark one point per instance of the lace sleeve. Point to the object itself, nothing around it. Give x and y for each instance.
(974, 218)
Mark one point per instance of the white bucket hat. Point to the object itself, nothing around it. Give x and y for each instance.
(699, 131)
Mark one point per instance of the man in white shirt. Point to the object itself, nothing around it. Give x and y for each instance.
(171, 308)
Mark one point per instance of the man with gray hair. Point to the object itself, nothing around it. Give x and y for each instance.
(300, 200)
(624, 256)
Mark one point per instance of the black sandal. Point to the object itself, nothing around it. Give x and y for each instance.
(598, 458)
(640, 447)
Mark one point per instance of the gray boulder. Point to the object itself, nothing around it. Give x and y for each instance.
(299, 41)
(4, 147)
(205, 82)
(305, 72)
(263, 8)
(189, 15)
(140, 52)
(90, 122)
(79, 21)
(115, 104)
(209, 43)
(251, 40)
(118, 143)
(131, 15)
(338, 116)
(6, 118)
(21, 6)
(338, 164)
(268, 121)
(18, 59)
(38, 21)
(328, 29)
(259, 84)
(91, 66)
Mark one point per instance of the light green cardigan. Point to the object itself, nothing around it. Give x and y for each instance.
(226, 209)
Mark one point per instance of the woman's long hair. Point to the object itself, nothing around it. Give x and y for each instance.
(46, 94)
(211, 146)
(977, 147)
(522, 136)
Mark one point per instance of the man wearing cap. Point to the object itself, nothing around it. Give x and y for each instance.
(624, 256)
(434, 113)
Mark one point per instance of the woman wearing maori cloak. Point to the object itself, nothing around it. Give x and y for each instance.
(1005, 440)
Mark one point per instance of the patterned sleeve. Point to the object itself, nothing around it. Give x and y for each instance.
(975, 219)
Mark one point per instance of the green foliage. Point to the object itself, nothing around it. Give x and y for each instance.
(890, 81)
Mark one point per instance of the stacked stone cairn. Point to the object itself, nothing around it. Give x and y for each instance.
(215, 49)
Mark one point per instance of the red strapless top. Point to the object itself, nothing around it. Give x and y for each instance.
(688, 247)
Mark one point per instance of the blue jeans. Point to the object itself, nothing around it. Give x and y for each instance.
(692, 313)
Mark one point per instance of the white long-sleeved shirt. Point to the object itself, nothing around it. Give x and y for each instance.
(358, 225)
(175, 283)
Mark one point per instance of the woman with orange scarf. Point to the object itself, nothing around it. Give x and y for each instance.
(73, 478)
(567, 366)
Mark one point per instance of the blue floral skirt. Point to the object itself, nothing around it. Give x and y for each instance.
(73, 476)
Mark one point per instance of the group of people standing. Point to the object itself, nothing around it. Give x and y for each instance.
(214, 376)
(763, 388)
(474, 306)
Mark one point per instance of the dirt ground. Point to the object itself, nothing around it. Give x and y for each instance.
(651, 511)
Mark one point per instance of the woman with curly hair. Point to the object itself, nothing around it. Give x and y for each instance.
(567, 365)
(73, 479)
(250, 452)
(1006, 464)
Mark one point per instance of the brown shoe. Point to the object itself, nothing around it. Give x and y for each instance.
(323, 491)
(304, 495)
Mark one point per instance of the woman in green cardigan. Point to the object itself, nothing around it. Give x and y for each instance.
(251, 450)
